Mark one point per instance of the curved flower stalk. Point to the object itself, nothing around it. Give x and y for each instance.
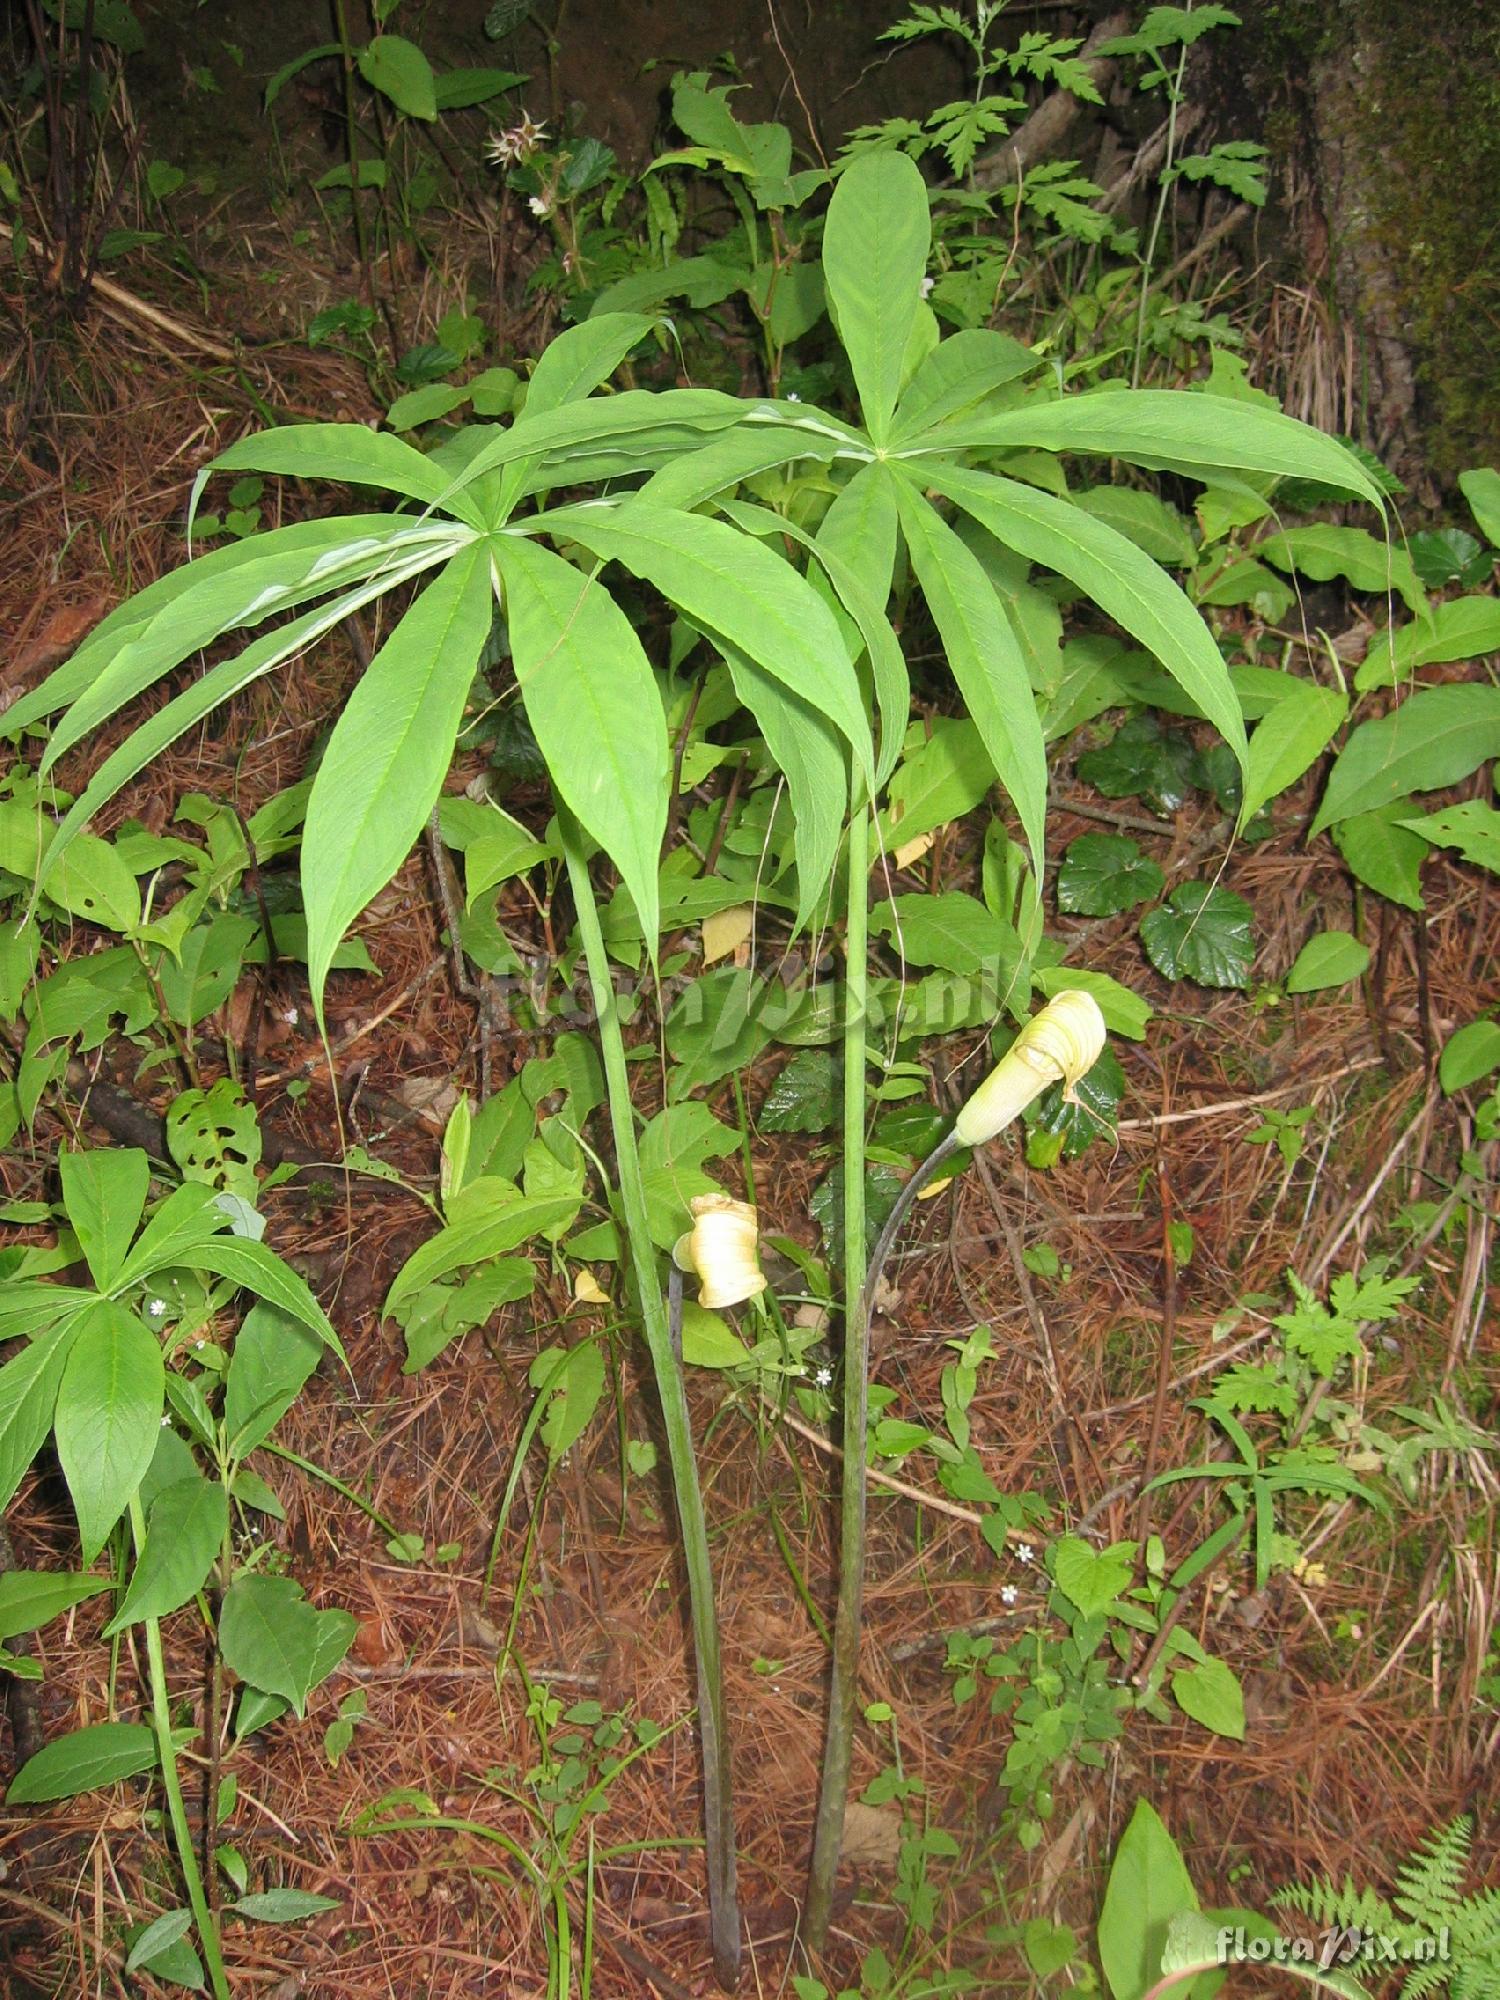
(1061, 1044)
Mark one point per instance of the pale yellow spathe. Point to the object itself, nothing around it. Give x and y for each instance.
(1061, 1044)
(721, 1250)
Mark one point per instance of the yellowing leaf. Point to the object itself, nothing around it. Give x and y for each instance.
(726, 931)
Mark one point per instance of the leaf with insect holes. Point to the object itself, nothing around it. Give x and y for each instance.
(1102, 874)
(1203, 934)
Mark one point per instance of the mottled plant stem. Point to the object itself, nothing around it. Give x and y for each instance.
(723, 1898)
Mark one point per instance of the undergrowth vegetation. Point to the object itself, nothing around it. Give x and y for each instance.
(838, 665)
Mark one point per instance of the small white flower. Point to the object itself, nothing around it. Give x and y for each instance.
(823, 1377)
(1025, 1552)
(155, 1308)
(540, 207)
(927, 285)
(511, 148)
(165, 1422)
(290, 1016)
(792, 396)
(200, 1343)
(1008, 1593)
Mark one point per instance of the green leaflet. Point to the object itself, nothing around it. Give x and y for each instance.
(696, 476)
(888, 664)
(213, 604)
(1293, 735)
(1122, 581)
(109, 1405)
(959, 372)
(985, 660)
(593, 705)
(184, 1533)
(349, 453)
(104, 1193)
(1434, 738)
(570, 369)
(809, 751)
(388, 754)
(201, 697)
(875, 245)
(635, 415)
(1181, 429)
(741, 593)
(28, 1397)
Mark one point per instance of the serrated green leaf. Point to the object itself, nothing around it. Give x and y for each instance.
(1324, 551)
(1203, 934)
(1288, 741)
(1102, 874)
(1461, 628)
(1472, 827)
(953, 930)
(801, 1098)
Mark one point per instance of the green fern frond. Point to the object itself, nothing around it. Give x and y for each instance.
(1339, 1909)
(1429, 1888)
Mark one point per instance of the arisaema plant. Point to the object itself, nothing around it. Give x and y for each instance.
(959, 439)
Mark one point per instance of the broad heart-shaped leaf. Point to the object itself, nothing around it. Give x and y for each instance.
(273, 1357)
(388, 754)
(109, 1406)
(810, 753)
(959, 372)
(83, 1761)
(1201, 933)
(28, 1399)
(274, 1639)
(30, 1598)
(104, 1193)
(347, 453)
(398, 69)
(202, 696)
(1148, 1886)
(875, 245)
(1180, 429)
(1120, 579)
(185, 1531)
(1089, 1578)
(1435, 737)
(594, 709)
(1332, 958)
(1103, 874)
(1289, 740)
(985, 660)
(738, 591)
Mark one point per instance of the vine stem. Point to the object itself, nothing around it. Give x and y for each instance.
(718, 1799)
(161, 1717)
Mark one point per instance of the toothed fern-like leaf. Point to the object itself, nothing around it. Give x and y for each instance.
(1444, 1938)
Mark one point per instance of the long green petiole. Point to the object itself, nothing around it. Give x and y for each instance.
(843, 1703)
(723, 1902)
(187, 1856)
